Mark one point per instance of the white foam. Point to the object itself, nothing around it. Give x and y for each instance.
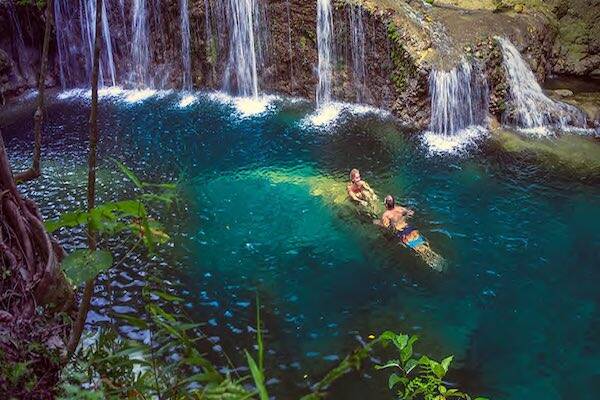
(251, 106)
(73, 93)
(136, 96)
(458, 142)
(246, 106)
(114, 92)
(330, 113)
(187, 100)
(110, 91)
(325, 115)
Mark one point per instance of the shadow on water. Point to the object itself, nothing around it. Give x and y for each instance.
(264, 210)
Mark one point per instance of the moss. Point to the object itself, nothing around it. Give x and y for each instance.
(404, 67)
(573, 31)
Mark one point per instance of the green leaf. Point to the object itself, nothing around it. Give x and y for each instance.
(407, 351)
(437, 369)
(394, 379)
(133, 321)
(67, 220)
(389, 364)
(259, 338)
(410, 365)
(83, 265)
(166, 296)
(129, 174)
(259, 379)
(446, 363)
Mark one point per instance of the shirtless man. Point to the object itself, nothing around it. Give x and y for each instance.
(394, 218)
(359, 190)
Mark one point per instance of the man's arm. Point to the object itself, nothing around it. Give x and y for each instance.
(383, 222)
(368, 188)
(354, 197)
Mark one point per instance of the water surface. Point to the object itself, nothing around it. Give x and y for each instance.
(518, 304)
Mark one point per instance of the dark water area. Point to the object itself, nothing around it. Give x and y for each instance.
(574, 83)
(518, 304)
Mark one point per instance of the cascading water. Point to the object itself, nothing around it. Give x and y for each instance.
(532, 111)
(357, 36)
(88, 28)
(19, 44)
(459, 104)
(140, 45)
(242, 52)
(75, 31)
(324, 43)
(459, 99)
(290, 51)
(185, 46)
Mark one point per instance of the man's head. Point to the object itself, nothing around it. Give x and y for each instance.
(389, 202)
(354, 175)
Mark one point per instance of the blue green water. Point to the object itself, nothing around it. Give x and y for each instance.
(518, 304)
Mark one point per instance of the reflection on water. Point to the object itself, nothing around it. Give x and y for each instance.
(265, 211)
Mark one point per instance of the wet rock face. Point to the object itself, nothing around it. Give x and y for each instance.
(403, 40)
(577, 49)
(18, 52)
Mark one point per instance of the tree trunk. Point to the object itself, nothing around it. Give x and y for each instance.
(38, 118)
(88, 291)
(30, 273)
(30, 276)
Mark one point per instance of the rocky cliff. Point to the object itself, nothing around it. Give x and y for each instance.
(403, 41)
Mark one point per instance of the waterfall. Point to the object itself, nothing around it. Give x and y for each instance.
(290, 51)
(185, 46)
(324, 43)
(357, 36)
(532, 110)
(459, 99)
(242, 51)
(88, 29)
(140, 46)
(19, 44)
(75, 24)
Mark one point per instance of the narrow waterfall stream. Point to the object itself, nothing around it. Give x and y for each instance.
(241, 78)
(357, 36)
(19, 43)
(532, 111)
(459, 103)
(185, 46)
(324, 42)
(140, 45)
(75, 34)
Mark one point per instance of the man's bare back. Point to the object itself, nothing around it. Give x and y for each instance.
(395, 218)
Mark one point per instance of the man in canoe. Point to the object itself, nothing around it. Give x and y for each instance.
(359, 190)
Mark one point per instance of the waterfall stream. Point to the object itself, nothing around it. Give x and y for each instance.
(532, 111)
(324, 43)
(459, 104)
(18, 44)
(185, 46)
(459, 99)
(140, 45)
(357, 36)
(241, 76)
(75, 32)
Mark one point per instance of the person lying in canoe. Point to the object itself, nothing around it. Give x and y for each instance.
(359, 190)
(394, 219)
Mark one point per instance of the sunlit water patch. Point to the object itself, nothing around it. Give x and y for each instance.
(264, 211)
